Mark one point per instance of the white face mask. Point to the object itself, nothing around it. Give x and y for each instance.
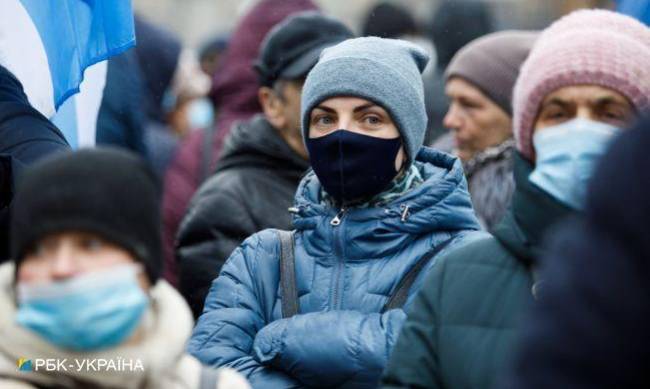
(567, 155)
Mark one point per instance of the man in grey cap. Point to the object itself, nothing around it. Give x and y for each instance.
(479, 83)
(262, 160)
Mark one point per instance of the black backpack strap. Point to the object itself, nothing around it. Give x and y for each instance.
(209, 378)
(401, 292)
(290, 304)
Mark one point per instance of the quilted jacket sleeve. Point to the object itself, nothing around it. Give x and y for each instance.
(331, 349)
(232, 317)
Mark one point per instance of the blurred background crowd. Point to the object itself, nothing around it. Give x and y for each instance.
(233, 110)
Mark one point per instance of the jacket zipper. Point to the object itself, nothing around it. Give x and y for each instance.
(338, 249)
(337, 219)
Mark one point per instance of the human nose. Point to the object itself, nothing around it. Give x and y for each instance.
(453, 118)
(345, 122)
(585, 113)
(63, 263)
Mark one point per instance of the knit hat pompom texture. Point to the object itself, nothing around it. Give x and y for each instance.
(387, 72)
(104, 191)
(586, 47)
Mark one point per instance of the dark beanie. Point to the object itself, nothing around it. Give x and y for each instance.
(105, 191)
(492, 62)
(388, 20)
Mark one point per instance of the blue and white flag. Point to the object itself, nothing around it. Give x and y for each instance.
(639, 9)
(57, 48)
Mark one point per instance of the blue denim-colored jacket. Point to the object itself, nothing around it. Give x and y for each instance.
(345, 274)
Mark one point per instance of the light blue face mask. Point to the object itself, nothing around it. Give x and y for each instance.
(566, 158)
(200, 114)
(90, 312)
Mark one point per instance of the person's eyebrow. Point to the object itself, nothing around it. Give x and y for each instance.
(604, 100)
(326, 109)
(556, 101)
(364, 107)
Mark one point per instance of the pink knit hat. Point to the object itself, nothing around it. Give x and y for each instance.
(594, 47)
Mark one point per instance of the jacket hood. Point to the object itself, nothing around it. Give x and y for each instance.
(165, 330)
(531, 215)
(256, 143)
(440, 204)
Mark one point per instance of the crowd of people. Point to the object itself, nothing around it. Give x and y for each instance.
(287, 210)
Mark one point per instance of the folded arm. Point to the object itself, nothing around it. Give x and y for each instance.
(231, 319)
(335, 348)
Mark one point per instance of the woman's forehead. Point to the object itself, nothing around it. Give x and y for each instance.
(346, 103)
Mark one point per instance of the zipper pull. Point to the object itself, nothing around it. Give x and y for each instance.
(337, 219)
(405, 213)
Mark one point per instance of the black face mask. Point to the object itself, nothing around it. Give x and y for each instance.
(352, 166)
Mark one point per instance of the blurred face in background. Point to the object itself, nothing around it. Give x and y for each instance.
(281, 106)
(62, 256)
(590, 102)
(81, 292)
(476, 121)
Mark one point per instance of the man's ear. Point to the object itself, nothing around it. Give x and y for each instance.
(272, 106)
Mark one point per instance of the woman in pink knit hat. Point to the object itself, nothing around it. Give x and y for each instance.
(586, 78)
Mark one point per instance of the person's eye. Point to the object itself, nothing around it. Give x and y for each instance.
(554, 114)
(92, 244)
(613, 115)
(37, 250)
(373, 120)
(468, 104)
(323, 120)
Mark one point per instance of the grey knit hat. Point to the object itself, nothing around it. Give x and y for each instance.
(492, 63)
(384, 71)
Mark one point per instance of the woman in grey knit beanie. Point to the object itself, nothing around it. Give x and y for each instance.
(370, 217)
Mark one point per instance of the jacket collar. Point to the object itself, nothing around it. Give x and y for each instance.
(532, 214)
(500, 151)
(257, 143)
(440, 204)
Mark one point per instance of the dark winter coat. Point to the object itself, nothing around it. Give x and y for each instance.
(252, 190)
(121, 117)
(590, 326)
(25, 137)
(344, 275)
(235, 96)
(462, 325)
(157, 53)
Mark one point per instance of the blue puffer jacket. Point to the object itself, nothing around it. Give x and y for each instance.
(344, 275)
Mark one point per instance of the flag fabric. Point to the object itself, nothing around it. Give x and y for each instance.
(77, 117)
(57, 48)
(639, 9)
